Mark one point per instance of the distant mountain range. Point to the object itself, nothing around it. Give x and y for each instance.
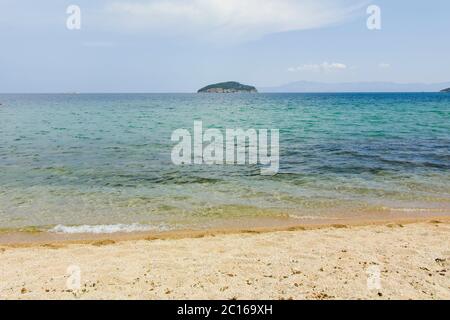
(307, 86)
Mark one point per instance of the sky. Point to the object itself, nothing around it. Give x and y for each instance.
(182, 45)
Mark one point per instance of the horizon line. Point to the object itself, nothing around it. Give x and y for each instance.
(203, 93)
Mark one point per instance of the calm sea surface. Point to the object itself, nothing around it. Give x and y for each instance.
(101, 162)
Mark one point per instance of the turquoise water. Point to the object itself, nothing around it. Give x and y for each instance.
(104, 159)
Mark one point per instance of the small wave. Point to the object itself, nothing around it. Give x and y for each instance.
(111, 228)
(413, 209)
(294, 216)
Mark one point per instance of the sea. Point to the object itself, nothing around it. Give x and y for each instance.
(101, 163)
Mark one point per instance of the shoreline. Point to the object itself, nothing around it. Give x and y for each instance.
(409, 260)
(40, 238)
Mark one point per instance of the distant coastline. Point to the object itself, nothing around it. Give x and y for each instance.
(353, 87)
(293, 87)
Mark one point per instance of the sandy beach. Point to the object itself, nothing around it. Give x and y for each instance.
(376, 261)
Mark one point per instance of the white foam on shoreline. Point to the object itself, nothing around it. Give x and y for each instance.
(111, 228)
(294, 216)
(414, 209)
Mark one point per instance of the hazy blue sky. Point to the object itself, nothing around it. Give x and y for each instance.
(181, 45)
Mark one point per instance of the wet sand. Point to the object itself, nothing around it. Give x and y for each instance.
(377, 260)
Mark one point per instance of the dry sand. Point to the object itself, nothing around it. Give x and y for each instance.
(336, 262)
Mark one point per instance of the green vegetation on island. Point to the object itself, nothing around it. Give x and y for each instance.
(228, 87)
(446, 90)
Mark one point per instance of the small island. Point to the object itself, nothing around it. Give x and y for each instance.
(228, 87)
(446, 90)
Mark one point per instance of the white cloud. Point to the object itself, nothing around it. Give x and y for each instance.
(322, 67)
(384, 65)
(235, 20)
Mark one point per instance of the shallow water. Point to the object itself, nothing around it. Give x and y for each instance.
(104, 159)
